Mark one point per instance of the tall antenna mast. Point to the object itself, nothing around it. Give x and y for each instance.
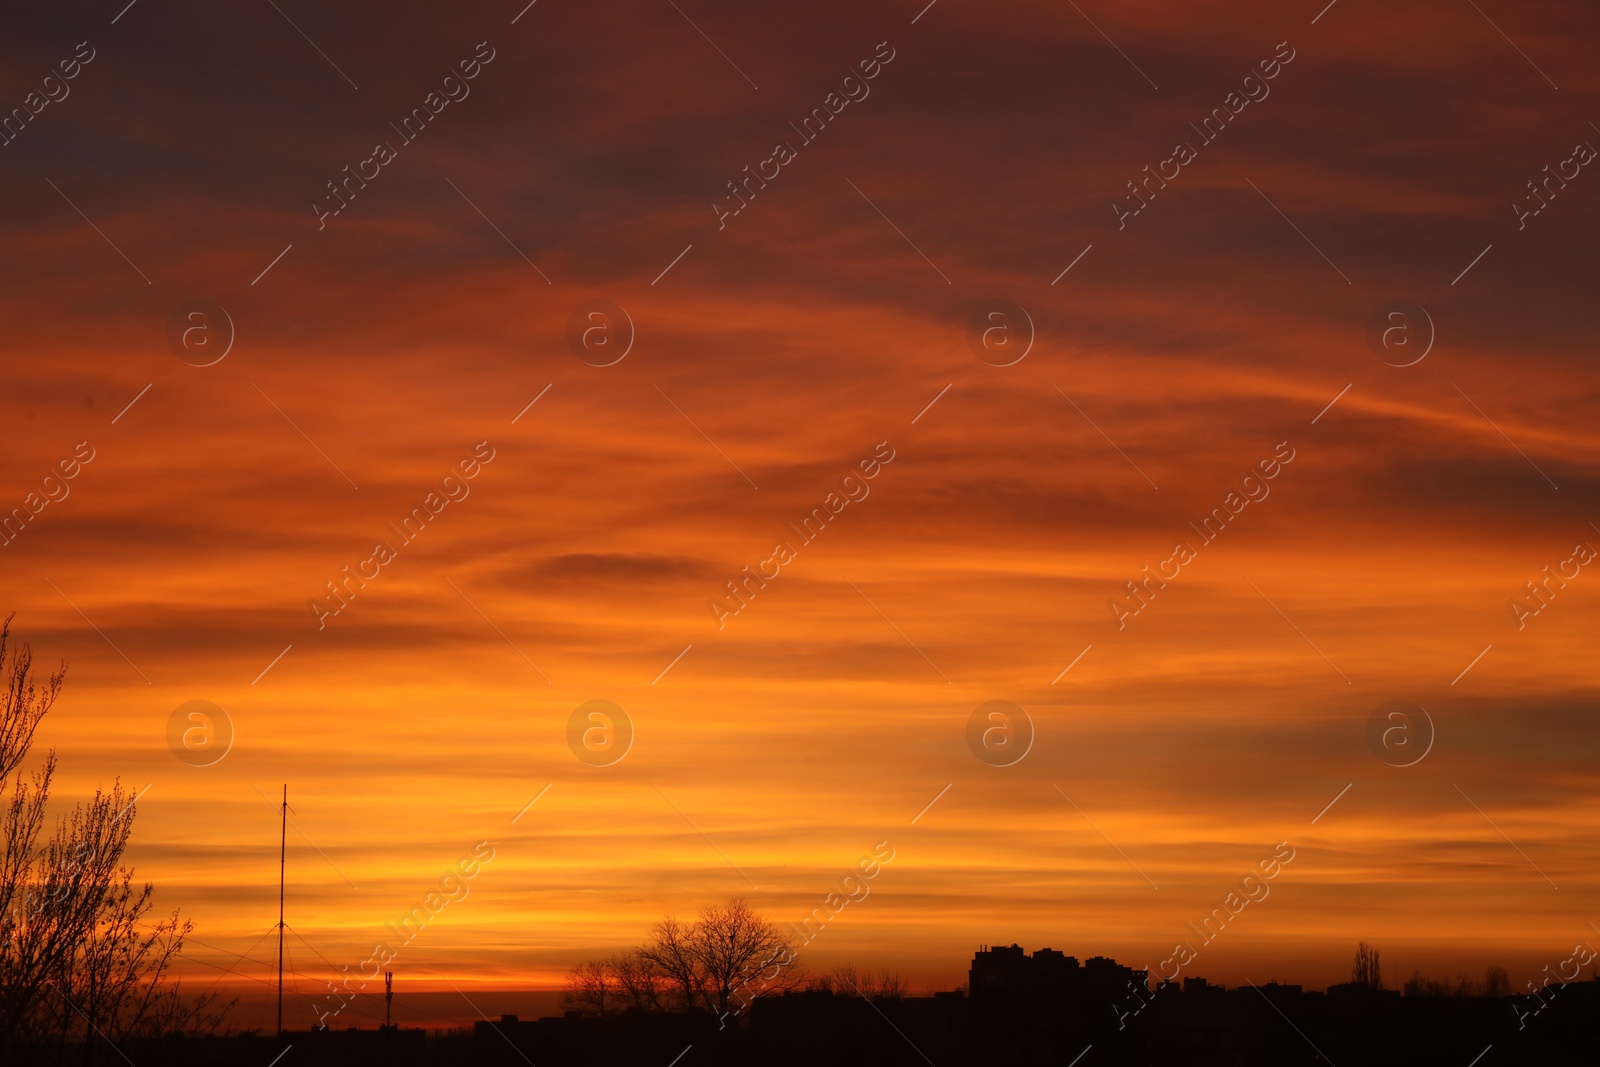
(388, 998)
(283, 842)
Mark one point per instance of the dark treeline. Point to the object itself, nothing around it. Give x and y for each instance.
(1018, 1009)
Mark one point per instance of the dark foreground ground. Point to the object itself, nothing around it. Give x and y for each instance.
(1267, 1025)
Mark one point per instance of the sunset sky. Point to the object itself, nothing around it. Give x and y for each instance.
(828, 322)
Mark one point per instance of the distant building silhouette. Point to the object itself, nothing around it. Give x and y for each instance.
(1010, 974)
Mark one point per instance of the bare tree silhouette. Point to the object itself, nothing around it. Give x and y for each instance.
(851, 982)
(1496, 983)
(671, 951)
(639, 983)
(1365, 972)
(590, 988)
(724, 959)
(78, 964)
(735, 946)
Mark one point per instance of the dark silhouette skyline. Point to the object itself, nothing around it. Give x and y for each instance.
(1019, 1007)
